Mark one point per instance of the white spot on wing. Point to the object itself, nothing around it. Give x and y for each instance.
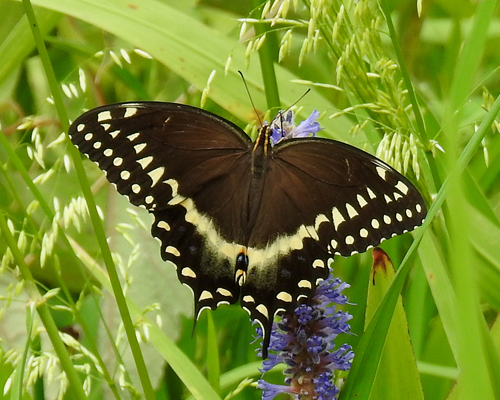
(363, 233)
(349, 240)
(88, 136)
(318, 263)
(103, 116)
(174, 185)
(263, 310)
(351, 211)
(361, 201)
(173, 250)
(145, 161)
(130, 111)
(375, 224)
(402, 187)
(188, 272)
(114, 133)
(125, 175)
(97, 145)
(156, 174)
(118, 161)
(133, 136)
(136, 188)
(80, 127)
(304, 284)
(381, 172)
(370, 193)
(108, 152)
(284, 296)
(205, 295)
(387, 199)
(319, 220)
(106, 126)
(139, 147)
(337, 218)
(224, 292)
(248, 299)
(387, 219)
(163, 225)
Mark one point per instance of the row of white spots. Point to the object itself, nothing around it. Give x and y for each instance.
(106, 115)
(364, 233)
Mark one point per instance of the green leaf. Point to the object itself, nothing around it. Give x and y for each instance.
(397, 375)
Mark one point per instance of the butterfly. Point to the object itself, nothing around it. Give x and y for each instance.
(242, 220)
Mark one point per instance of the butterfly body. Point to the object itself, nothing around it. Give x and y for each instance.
(244, 220)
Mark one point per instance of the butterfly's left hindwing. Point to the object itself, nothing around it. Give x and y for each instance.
(198, 263)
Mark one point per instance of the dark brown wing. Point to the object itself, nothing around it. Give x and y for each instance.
(321, 197)
(190, 169)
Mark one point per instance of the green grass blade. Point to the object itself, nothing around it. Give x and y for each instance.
(397, 374)
(99, 231)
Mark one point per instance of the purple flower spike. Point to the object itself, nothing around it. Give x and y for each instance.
(304, 341)
(283, 126)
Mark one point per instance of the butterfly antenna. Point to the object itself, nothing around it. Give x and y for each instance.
(281, 113)
(296, 101)
(250, 96)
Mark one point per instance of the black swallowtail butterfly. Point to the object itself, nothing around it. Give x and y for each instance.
(245, 220)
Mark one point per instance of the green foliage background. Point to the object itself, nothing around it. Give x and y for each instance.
(403, 80)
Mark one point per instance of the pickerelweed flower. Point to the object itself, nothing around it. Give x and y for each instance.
(304, 341)
(283, 126)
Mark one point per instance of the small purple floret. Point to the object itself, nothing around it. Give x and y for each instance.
(283, 126)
